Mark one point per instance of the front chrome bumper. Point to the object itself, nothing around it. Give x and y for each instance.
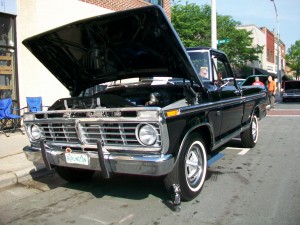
(294, 96)
(107, 163)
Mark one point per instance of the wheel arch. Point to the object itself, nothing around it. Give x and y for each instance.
(205, 131)
(260, 110)
(256, 112)
(249, 135)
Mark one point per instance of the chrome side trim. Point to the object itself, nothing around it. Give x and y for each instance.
(221, 103)
(254, 96)
(200, 107)
(227, 138)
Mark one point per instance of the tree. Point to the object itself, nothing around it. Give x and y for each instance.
(193, 24)
(192, 30)
(293, 58)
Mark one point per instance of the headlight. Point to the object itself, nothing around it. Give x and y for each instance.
(35, 132)
(27, 117)
(146, 134)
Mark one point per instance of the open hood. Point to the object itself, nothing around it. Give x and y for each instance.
(133, 43)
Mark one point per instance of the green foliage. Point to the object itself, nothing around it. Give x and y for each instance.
(293, 58)
(193, 24)
(192, 30)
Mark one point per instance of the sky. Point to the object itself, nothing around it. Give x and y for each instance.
(262, 14)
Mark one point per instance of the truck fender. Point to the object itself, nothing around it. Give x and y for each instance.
(201, 129)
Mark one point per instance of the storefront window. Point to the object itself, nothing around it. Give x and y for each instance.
(7, 57)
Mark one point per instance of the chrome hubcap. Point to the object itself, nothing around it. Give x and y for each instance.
(194, 165)
(254, 129)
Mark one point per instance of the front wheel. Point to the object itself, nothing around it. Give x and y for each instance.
(249, 137)
(190, 168)
(74, 174)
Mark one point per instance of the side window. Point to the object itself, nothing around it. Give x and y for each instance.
(221, 71)
(201, 62)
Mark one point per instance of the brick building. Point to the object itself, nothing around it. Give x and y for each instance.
(21, 74)
(270, 45)
(268, 59)
(125, 4)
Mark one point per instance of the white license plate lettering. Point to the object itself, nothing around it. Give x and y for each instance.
(73, 158)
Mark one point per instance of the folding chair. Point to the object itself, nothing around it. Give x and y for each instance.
(10, 120)
(34, 104)
(3, 120)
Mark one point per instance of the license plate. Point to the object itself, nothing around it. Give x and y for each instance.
(75, 158)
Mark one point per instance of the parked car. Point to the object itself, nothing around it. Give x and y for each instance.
(155, 116)
(291, 90)
(251, 79)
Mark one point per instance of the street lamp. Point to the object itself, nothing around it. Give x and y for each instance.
(278, 42)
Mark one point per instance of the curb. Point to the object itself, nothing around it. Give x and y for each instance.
(11, 178)
(8, 179)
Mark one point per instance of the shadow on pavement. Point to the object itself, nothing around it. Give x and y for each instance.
(119, 186)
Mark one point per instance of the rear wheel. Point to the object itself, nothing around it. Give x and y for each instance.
(249, 137)
(74, 174)
(190, 169)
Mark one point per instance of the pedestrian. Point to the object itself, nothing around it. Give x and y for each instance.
(257, 82)
(219, 80)
(271, 91)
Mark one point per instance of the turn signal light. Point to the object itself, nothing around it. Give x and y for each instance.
(171, 113)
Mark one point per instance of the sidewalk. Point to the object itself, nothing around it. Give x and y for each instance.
(14, 166)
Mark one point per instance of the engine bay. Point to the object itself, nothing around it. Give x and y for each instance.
(125, 96)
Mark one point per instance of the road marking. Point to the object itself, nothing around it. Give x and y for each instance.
(93, 219)
(243, 151)
(125, 218)
(284, 112)
(285, 115)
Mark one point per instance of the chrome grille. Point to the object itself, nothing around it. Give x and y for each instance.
(59, 132)
(113, 133)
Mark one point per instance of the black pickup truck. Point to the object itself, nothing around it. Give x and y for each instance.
(139, 104)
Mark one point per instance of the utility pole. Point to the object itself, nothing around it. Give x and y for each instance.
(278, 50)
(213, 24)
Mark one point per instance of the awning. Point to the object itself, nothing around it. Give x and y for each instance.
(265, 72)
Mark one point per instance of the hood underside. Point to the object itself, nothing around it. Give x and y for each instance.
(133, 43)
(292, 85)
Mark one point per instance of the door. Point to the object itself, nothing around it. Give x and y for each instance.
(230, 95)
(201, 60)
